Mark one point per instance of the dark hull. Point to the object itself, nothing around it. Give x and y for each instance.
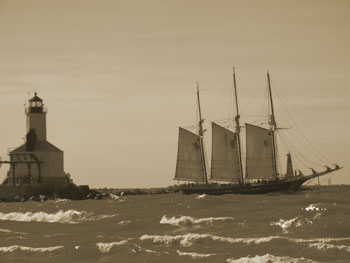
(292, 184)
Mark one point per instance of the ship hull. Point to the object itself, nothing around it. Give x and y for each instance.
(292, 184)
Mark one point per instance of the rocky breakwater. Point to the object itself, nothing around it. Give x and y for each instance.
(42, 192)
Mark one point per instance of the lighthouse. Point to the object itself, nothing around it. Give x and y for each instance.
(37, 160)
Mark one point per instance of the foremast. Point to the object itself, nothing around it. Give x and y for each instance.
(273, 128)
(238, 128)
(201, 134)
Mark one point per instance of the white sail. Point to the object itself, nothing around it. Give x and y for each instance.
(224, 159)
(259, 160)
(189, 165)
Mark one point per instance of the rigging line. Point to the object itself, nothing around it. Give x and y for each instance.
(295, 157)
(218, 97)
(307, 148)
(265, 112)
(306, 126)
(314, 149)
(283, 146)
(298, 163)
(302, 155)
(252, 95)
(310, 144)
(212, 84)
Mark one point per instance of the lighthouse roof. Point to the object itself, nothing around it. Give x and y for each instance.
(35, 98)
(40, 146)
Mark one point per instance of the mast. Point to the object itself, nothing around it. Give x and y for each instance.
(201, 133)
(273, 128)
(238, 127)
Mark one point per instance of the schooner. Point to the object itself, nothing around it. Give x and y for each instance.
(261, 175)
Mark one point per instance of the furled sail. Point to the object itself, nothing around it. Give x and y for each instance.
(224, 158)
(189, 165)
(290, 172)
(259, 160)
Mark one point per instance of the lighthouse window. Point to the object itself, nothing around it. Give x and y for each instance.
(33, 104)
(38, 104)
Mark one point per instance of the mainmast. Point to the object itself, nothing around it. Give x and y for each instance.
(273, 128)
(238, 128)
(201, 133)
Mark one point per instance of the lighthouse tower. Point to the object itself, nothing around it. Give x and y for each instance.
(36, 117)
(37, 160)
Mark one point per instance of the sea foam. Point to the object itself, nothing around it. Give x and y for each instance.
(106, 247)
(269, 258)
(65, 217)
(284, 224)
(13, 232)
(323, 246)
(61, 216)
(187, 240)
(201, 196)
(313, 207)
(29, 249)
(193, 254)
(188, 221)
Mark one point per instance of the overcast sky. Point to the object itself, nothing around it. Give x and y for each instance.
(118, 77)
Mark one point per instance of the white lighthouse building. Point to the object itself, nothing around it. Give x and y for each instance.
(37, 160)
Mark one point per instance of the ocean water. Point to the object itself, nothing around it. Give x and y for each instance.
(306, 226)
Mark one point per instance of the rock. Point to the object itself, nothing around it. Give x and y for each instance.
(34, 198)
(42, 198)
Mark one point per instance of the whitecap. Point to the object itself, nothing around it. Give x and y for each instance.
(13, 232)
(284, 224)
(187, 240)
(29, 249)
(99, 217)
(313, 207)
(269, 258)
(139, 248)
(188, 220)
(193, 254)
(59, 200)
(61, 216)
(68, 217)
(124, 222)
(201, 196)
(106, 247)
(326, 246)
(113, 196)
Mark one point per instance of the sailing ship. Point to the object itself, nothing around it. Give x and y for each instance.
(227, 175)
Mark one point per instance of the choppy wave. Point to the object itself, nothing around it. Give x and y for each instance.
(141, 249)
(98, 217)
(67, 217)
(269, 258)
(201, 196)
(188, 220)
(13, 232)
(124, 222)
(286, 224)
(29, 249)
(193, 254)
(313, 207)
(323, 246)
(106, 247)
(187, 240)
(61, 216)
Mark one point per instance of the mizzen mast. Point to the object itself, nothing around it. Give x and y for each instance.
(238, 128)
(273, 128)
(201, 134)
